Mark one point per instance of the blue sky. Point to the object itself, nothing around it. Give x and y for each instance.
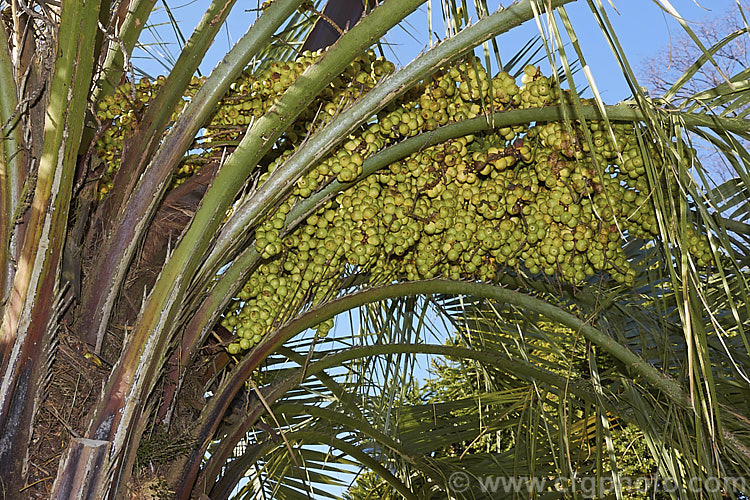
(641, 26)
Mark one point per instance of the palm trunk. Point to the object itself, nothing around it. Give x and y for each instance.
(29, 321)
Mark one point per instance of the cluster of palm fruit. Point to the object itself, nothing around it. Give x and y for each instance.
(547, 198)
(538, 198)
(120, 112)
(250, 96)
(253, 94)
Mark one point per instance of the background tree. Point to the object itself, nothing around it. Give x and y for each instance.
(661, 71)
(132, 287)
(668, 64)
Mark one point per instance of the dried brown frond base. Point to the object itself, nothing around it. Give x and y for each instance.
(150, 489)
(74, 384)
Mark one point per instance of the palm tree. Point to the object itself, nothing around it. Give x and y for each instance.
(125, 275)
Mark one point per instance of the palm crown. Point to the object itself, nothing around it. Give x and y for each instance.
(592, 277)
